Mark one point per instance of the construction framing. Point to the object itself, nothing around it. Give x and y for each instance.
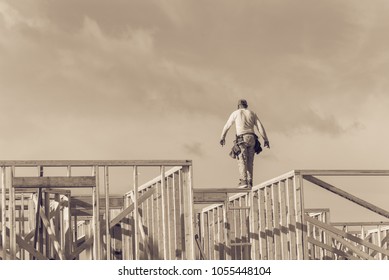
(42, 218)
(66, 210)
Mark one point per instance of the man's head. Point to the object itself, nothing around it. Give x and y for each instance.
(242, 103)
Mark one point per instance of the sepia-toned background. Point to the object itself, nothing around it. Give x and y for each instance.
(96, 79)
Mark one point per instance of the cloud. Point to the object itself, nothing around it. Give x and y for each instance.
(290, 59)
(195, 149)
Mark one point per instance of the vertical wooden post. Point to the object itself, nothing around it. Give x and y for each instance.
(96, 216)
(22, 224)
(284, 225)
(3, 212)
(12, 223)
(226, 226)
(254, 226)
(107, 215)
(68, 233)
(188, 213)
(302, 248)
(136, 214)
(87, 225)
(163, 198)
(262, 224)
(46, 233)
(125, 232)
(276, 219)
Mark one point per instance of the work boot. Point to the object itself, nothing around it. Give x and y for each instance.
(250, 183)
(242, 183)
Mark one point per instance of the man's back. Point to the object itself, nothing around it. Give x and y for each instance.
(245, 121)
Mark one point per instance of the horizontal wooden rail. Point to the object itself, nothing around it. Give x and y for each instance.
(79, 163)
(54, 182)
(343, 172)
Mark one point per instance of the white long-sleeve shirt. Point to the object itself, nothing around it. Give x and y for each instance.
(245, 121)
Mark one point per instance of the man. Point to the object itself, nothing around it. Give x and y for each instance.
(245, 121)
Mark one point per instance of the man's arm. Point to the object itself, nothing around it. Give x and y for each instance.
(227, 126)
(262, 131)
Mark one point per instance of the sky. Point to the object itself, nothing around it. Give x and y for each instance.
(119, 79)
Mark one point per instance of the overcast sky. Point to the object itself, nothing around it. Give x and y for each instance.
(119, 79)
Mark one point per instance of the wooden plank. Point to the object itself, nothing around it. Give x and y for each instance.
(347, 195)
(244, 228)
(211, 218)
(292, 218)
(238, 229)
(136, 212)
(331, 249)
(26, 246)
(54, 182)
(262, 224)
(170, 214)
(160, 239)
(220, 190)
(150, 236)
(339, 172)
(351, 247)
(96, 188)
(352, 224)
(269, 223)
(276, 218)
(284, 231)
(80, 163)
(3, 212)
(156, 227)
(12, 223)
(46, 231)
(177, 212)
(209, 197)
(299, 206)
(254, 227)
(226, 230)
(51, 235)
(164, 214)
(107, 213)
(351, 237)
(85, 202)
(188, 212)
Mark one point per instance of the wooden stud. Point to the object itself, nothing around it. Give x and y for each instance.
(269, 223)
(292, 218)
(107, 214)
(188, 212)
(226, 229)
(3, 212)
(276, 219)
(283, 220)
(262, 223)
(12, 217)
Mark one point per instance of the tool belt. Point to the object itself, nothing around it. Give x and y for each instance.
(235, 150)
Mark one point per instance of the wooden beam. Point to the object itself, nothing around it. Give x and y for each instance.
(347, 195)
(113, 222)
(51, 233)
(54, 182)
(26, 246)
(331, 249)
(79, 163)
(3, 211)
(351, 237)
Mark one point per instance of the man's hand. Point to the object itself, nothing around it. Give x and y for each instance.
(222, 142)
(267, 144)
